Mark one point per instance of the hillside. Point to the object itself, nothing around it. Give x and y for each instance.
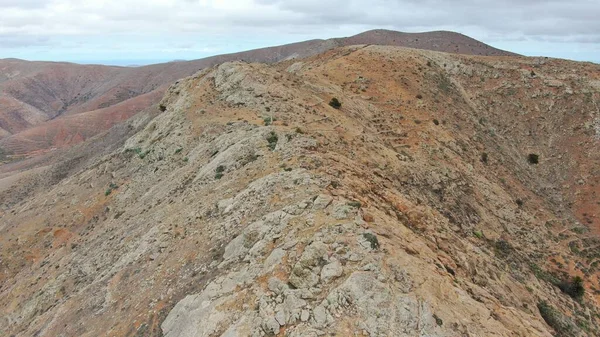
(449, 195)
(38, 99)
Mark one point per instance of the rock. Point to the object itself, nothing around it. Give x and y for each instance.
(305, 315)
(274, 258)
(322, 201)
(303, 277)
(270, 325)
(319, 317)
(277, 286)
(343, 211)
(331, 271)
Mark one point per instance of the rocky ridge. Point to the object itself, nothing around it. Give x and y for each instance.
(250, 207)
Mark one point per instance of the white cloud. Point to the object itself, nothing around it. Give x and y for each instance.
(562, 23)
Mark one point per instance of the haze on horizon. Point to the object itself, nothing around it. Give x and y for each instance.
(97, 31)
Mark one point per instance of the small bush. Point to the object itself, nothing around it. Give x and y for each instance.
(562, 326)
(484, 158)
(436, 122)
(111, 187)
(162, 107)
(268, 120)
(335, 103)
(478, 234)
(219, 172)
(429, 63)
(573, 288)
(178, 150)
(355, 203)
(272, 140)
(372, 239)
(503, 248)
(419, 96)
(533, 158)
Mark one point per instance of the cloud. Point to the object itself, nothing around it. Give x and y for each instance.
(502, 21)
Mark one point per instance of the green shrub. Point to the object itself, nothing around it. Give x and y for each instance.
(533, 158)
(178, 150)
(272, 140)
(219, 172)
(354, 203)
(502, 247)
(335, 103)
(372, 239)
(562, 325)
(268, 120)
(162, 107)
(111, 187)
(484, 158)
(573, 288)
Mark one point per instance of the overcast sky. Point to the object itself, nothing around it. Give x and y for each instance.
(148, 31)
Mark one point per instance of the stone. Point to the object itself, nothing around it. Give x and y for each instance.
(305, 315)
(331, 271)
(322, 201)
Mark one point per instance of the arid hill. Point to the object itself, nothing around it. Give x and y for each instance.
(39, 99)
(448, 195)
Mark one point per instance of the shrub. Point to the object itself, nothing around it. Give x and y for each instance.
(268, 120)
(436, 122)
(573, 288)
(335, 103)
(178, 150)
(272, 139)
(162, 107)
(419, 96)
(372, 239)
(111, 187)
(502, 247)
(219, 172)
(355, 203)
(484, 158)
(562, 326)
(533, 158)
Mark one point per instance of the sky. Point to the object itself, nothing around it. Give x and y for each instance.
(136, 32)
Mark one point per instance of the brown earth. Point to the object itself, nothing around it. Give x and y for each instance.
(38, 99)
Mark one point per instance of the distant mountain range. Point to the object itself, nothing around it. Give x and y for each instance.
(46, 105)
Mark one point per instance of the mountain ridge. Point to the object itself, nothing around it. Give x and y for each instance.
(51, 90)
(447, 195)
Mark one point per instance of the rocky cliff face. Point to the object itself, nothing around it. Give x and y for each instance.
(445, 197)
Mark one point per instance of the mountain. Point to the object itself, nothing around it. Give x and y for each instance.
(39, 100)
(446, 195)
